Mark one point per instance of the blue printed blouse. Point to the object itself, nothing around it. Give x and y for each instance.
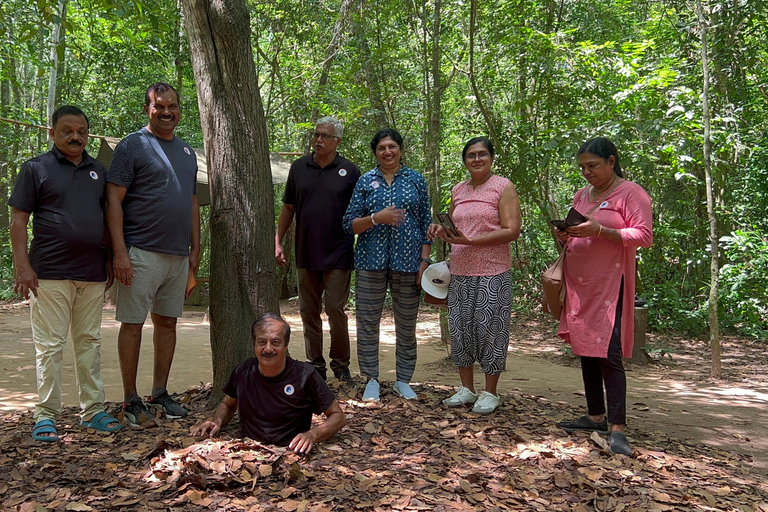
(383, 246)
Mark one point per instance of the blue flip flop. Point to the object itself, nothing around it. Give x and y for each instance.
(100, 422)
(45, 427)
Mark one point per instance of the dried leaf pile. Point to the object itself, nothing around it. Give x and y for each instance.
(395, 455)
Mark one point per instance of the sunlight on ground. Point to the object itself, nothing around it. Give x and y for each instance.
(13, 400)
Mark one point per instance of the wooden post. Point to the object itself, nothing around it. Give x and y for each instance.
(641, 325)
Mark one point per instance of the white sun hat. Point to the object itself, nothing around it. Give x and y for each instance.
(435, 279)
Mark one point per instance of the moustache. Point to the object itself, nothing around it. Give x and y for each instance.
(75, 142)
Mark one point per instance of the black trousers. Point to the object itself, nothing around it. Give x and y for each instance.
(609, 372)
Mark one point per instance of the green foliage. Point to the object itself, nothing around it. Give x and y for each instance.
(744, 296)
(549, 75)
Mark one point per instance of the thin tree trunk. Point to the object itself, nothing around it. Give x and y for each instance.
(56, 49)
(243, 280)
(330, 53)
(435, 88)
(714, 239)
(500, 150)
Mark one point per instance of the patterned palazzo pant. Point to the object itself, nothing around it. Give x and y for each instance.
(479, 309)
(370, 292)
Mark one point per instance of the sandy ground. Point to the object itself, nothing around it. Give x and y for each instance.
(675, 402)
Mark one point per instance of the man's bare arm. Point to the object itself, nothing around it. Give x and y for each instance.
(283, 224)
(26, 278)
(224, 413)
(194, 250)
(121, 262)
(334, 421)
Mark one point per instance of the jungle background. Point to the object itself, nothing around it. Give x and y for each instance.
(539, 77)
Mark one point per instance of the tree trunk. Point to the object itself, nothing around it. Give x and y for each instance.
(714, 239)
(487, 115)
(57, 54)
(435, 88)
(330, 55)
(243, 281)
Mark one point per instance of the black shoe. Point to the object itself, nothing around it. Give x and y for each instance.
(323, 373)
(619, 444)
(345, 377)
(584, 424)
(136, 412)
(171, 409)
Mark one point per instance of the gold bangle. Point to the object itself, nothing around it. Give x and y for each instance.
(600, 230)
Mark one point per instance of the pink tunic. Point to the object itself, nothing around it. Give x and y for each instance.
(476, 212)
(594, 268)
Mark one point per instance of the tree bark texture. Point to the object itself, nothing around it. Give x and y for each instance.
(435, 88)
(714, 239)
(243, 281)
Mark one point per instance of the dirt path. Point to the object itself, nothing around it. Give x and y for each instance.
(672, 397)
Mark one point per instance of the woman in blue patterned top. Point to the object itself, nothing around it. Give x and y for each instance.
(390, 213)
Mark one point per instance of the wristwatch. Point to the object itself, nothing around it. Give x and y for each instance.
(426, 260)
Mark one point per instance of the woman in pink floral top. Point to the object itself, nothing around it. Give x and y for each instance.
(598, 314)
(486, 212)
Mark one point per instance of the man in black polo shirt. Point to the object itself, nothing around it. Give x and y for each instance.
(317, 192)
(65, 269)
(276, 395)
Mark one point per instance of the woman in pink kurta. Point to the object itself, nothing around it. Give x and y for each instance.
(598, 315)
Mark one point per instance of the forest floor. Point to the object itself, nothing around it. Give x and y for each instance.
(698, 444)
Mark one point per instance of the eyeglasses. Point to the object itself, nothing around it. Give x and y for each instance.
(324, 136)
(480, 155)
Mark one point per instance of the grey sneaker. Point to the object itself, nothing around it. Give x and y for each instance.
(486, 403)
(371, 393)
(136, 412)
(404, 390)
(171, 409)
(461, 397)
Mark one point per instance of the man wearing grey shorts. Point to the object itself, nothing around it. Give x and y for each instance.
(154, 223)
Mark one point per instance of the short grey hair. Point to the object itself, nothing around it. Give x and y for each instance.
(338, 128)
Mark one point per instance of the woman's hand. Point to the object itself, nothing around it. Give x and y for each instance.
(562, 236)
(390, 215)
(435, 231)
(589, 228)
(451, 238)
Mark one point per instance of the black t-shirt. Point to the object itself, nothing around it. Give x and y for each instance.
(67, 206)
(275, 409)
(321, 197)
(160, 177)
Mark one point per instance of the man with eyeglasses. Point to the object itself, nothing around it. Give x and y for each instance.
(317, 193)
(276, 395)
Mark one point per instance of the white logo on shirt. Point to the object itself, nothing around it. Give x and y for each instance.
(604, 204)
(187, 151)
(289, 389)
(342, 172)
(93, 175)
(375, 184)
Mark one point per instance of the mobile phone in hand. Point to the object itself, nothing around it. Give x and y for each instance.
(445, 220)
(559, 224)
(574, 217)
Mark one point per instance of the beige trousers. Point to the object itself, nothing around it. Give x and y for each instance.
(61, 307)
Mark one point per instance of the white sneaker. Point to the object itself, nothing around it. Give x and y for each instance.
(404, 390)
(371, 393)
(486, 403)
(462, 396)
